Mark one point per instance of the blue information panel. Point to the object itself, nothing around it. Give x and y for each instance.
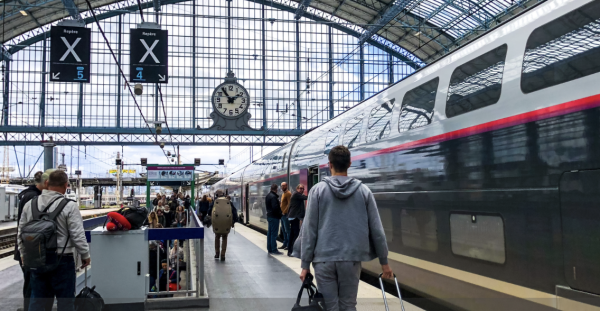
(70, 54)
(149, 60)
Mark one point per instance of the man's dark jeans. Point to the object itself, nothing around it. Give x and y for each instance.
(26, 288)
(272, 233)
(294, 232)
(59, 283)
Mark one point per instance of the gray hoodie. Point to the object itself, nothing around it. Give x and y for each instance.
(342, 223)
(69, 222)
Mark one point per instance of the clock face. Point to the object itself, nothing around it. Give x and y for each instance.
(230, 99)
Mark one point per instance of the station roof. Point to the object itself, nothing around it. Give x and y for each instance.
(426, 28)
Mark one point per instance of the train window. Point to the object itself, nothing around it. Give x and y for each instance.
(353, 129)
(419, 229)
(332, 140)
(379, 122)
(283, 162)
(417, 106)
(563, 50)
(476, 84)
(478, 236)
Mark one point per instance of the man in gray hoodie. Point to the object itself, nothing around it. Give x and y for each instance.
(341, 229)
(59, 283)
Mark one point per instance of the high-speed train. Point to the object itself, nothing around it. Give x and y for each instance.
(485, 166)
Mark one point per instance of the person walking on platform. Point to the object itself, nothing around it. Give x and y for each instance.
(222, 225)
(296, 215)
(24, 197)
(285, 222)
(273, 217)
(203, 207)
(60, 282)
(342, 228)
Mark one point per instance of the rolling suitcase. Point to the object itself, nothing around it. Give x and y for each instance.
(383, 292)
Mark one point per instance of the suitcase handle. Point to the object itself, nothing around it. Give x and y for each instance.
(383, 292)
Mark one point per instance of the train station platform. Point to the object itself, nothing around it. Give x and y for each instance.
(251, 279)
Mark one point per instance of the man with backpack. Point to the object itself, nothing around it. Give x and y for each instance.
(223, 224)
(24, 197)
(49, 233)
(341, 206)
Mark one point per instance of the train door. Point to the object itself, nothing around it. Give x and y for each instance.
(247, 203)
(313, 177)
(580, 213)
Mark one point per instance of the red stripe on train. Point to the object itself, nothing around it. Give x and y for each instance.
(532, 116)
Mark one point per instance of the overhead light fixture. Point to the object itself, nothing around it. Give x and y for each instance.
(23, 13)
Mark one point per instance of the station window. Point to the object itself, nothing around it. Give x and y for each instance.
(478, 236)
(332, 139)
(283, 162)
(563, 50)
(379, 121)
(419, 229)
(476, 84)
(353, 129)
(417, 106)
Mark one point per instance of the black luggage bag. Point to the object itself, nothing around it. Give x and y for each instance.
(88, 299)
(315, 299)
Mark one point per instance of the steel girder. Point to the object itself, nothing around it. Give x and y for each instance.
(388, 15)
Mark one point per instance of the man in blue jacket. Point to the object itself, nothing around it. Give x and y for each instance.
(340, 226)
(273, 217)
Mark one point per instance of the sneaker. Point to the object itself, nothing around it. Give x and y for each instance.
(282, 247)
(276, 253)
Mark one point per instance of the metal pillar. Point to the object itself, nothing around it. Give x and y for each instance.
(330, 41)
(6, 93)
(156, 102)
(264, 68)
(119, 49)
(390, 69)
(229, 35)
(80, 106)
(362, 72)
(48, 154)
(298, 109)
(43, 94)
(194, 64)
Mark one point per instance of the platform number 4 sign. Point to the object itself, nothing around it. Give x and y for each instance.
(149, 56)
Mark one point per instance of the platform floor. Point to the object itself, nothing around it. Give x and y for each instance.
(251, 279)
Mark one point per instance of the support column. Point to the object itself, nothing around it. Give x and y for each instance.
(362, 72)
(298, 108)
(330, 42)
(80, 106)
(229, 65)
(119, 49)
(48, 154)
(194, 64)
(43, 95)
(390, 69)
(6, 94)
(156, 102)
(264, 68)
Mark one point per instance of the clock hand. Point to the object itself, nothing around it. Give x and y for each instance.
(224, 91)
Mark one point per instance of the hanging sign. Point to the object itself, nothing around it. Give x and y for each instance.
(170, 173)
(149, 61)
(124, 171)
(70, 54)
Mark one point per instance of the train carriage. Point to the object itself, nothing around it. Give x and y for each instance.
(485, 166)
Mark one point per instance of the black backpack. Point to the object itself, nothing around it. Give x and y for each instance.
(136, 216)
(88, 299)
(40, 238)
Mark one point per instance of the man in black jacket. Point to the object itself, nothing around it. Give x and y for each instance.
(25, 196)
(273, 217)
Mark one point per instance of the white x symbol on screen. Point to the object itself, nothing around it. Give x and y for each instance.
(149, 51)
(70, 49)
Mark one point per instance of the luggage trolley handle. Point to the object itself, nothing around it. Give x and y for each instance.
(383, 292)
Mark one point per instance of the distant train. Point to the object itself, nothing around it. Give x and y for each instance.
(485, 166)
